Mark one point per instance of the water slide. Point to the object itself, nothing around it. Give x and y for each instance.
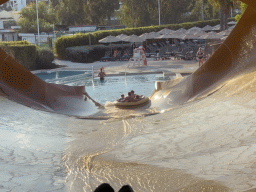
(21, 85)
(232, 58)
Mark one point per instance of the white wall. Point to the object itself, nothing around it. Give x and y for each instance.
(8, 36)
(21, 4)
(32, 38)
(1, 24)
(82, 28)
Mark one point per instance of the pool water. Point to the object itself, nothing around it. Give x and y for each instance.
(112, 87)
(48, 75)
(109, 89)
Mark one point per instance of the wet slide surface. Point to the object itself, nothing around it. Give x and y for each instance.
(206, 142)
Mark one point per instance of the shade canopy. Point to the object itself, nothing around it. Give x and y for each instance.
(211, 35)
(232, 23)
(154, 35)
(146, 36)
(109, 39)
(207, 28)
(224, 33)
(122, 36)
(165, 36)
(164, 31)
(216, 28)
(182, 30)
(177, 35)
(189, 36)
(133, 38)
(193, 30)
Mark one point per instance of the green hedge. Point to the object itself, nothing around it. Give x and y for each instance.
(22, 51)
(82, 39)
(6, 43)
(91, 53)
(45, 59)
(29, 55)
(25, 54)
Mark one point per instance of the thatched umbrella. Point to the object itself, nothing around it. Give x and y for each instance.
(110, 39)
(133, 38)
(164, 31)
(181, 30)
(207, 28)
(122, 36)
(210, 35)
(216, 28)
(193, 30)
(146, 36)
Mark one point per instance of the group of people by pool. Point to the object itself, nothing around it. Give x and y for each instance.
(130, 98)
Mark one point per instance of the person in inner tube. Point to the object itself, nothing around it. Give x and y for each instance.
(129, 98)
(122, 99)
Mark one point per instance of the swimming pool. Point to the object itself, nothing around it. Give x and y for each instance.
(108, 90)
(51, 75)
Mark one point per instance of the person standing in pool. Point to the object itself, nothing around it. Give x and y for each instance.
(102, 74)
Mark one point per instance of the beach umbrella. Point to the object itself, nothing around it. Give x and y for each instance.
(122, 36)
(146, 36)
(210, 35)
(207, 28)
(164, 31)
(109, 39)
(216, 28)
(165, 36)
(181, 30)
(193, 30)
(224, 33)
(232, 23)
(154, 35)
(133, 38)
(177, 35)
(195, 35)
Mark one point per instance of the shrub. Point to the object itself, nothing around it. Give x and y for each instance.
(45, 59)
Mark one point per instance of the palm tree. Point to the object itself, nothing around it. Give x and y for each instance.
(224, 6)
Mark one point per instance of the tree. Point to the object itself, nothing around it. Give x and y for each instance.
(54, 3)
(224, 6)
(145, 12)
(174, 11)
(202, 10)
(243, 7)
(80, 12)
(28, 18)
(100, 10)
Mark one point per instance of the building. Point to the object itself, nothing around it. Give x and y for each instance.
(20, 4)
(33, 38)
(8, 33)
(82, 28)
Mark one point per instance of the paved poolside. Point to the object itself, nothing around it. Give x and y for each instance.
(175, 66)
